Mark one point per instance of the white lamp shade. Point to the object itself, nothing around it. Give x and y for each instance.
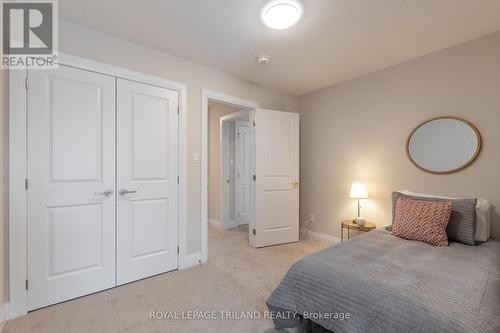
(358, 191)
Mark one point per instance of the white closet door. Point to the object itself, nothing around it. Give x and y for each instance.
(277, 184)
(243, 168)
(147, 197)
(71, 205)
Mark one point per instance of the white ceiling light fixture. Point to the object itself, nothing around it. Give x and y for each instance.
(281, 14)
(263, 59)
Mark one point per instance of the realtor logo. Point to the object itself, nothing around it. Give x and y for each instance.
(29, 34)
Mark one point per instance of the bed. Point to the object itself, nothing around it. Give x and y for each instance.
(377, 282)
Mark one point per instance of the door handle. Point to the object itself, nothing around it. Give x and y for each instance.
(106, 193)
(295, 184)
(124, 191)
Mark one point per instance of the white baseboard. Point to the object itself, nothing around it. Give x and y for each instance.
(318, 236)
(4, 315)
(191, 260)
(216, 224)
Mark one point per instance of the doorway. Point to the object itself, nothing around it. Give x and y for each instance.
(239, 104)
(230, 158)
(274, 189)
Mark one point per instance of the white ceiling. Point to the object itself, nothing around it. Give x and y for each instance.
(336, 39)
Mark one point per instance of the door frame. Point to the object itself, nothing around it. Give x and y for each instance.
(18, 163)
(207, 95)
(225, 166)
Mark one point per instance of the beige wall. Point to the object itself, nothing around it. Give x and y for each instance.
(356, 130)
(90, 44)
(4, 257)
(215, 112)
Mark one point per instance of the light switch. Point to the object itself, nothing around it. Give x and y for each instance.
(196, 158)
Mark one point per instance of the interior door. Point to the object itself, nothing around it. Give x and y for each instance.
(276, 154)
(71, 184)
(147, 198)
(243, 171)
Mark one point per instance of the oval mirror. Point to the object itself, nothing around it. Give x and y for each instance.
(443, 145)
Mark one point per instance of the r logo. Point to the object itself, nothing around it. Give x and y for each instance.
(28, 28)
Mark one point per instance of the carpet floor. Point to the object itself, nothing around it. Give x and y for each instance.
(236, 278)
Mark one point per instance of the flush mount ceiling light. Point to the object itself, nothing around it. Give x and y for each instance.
(263, 59)
(281, 14)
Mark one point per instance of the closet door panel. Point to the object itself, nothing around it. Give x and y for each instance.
(71, 174)
(147, 180)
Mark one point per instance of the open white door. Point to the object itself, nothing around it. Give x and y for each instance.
(244, 172)
(276, 156)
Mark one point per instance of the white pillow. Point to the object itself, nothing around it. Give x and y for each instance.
(483, 214)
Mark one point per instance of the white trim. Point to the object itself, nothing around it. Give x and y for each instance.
(184, 261)
(317, 236)
(123, 73)
(193, 259)
(18, 165)
(236, 116)
(215, 224)
(222, 226)
(17, 194)
(4, 315)
(225, 99)
(251, 225)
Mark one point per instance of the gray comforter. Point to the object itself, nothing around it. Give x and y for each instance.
(387, 284)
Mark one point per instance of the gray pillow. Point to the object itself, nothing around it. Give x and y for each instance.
(462, 225)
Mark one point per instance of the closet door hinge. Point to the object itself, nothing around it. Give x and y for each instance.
(177, 179)
(254, 177)
(26, 83)
(177, 249)
(26, 183)
(26, 284)
(253, 231)
(253, 123)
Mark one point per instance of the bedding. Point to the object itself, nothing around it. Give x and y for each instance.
(462, 225)
(424, 221)
(483, 220)
(483, 214)
(388, 284)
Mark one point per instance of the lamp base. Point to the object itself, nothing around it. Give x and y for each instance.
(359, 220)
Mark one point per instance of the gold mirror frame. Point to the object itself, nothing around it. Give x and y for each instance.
(474, 157)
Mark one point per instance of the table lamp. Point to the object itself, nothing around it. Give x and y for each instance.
(359, 191)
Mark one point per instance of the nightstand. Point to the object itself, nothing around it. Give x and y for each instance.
(350, 224)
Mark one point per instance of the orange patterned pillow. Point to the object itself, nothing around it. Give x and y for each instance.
(424, 221)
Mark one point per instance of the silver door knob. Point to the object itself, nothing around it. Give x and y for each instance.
(124, 191)
(105, 193)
